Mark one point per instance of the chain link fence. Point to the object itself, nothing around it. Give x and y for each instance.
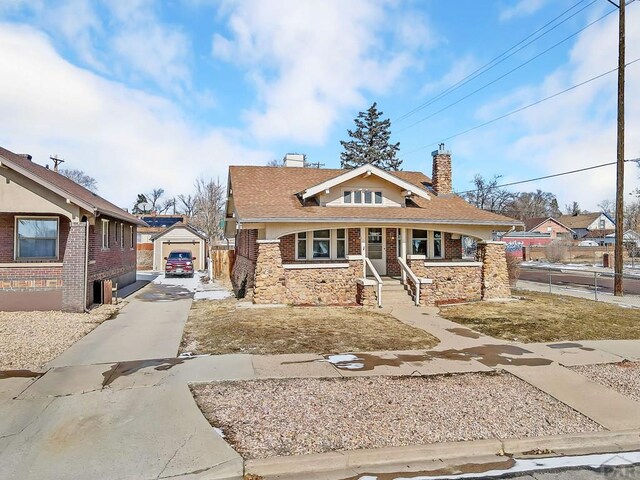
(590, 283)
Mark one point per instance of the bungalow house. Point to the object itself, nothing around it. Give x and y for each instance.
(58, 240)
(328, 236)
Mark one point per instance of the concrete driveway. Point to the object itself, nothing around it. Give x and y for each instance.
(75, 423)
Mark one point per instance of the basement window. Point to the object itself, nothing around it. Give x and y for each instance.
(37, 238)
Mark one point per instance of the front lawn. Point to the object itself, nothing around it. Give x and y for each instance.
(219, 327)
(544, 317)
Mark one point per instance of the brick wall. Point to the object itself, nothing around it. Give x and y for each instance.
(73, 269)
(452, 248)
(7, 236)
(113, 263)
(393, 267)
(244, 267)
(354, 241)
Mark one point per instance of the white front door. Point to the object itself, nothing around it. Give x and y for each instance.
(377, 249)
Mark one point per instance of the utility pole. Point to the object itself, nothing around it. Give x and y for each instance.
(617, 253)
(56, 161)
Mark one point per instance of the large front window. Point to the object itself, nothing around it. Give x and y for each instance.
(420, 241)
(322, 244)
(37, 238)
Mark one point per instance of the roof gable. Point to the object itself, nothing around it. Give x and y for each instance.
(533, 223)
(175, 226)
(66, 188)
(363, 170)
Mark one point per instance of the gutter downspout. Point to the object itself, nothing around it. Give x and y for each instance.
(86, 263)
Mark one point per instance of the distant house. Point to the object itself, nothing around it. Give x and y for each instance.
(549, 225)
(330, 236)
(156, 223)
(58, 240)
(585, 222)
(631, 239)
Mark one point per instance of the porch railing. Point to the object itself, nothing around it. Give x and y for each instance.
(378, 279)
(414, 278)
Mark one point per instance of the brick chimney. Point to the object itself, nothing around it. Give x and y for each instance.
(441, 176)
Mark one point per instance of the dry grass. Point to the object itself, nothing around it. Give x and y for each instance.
(543, 317)
(218, 327)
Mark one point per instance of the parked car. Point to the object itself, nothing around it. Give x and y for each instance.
(179, 262)
(588, 243)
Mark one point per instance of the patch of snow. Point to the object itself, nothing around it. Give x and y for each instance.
(200, 289)
(539, 464)
(345, 360)
(219, 432)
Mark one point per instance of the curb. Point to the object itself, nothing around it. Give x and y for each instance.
(369, 459)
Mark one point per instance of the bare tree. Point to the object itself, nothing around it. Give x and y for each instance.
(187, 205)
(209, 207)
(154, 198)
(165, 206)
(572, 209)
(608, 207)
(534, 204)
(274, 163)
(81, 178)
(488, 196)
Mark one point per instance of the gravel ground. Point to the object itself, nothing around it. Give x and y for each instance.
(28, 340)
(298, 416)
(622, 377)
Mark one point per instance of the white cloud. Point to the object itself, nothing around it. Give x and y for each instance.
(311, 61)
(576, 129)
(128, 140)
(523, 8)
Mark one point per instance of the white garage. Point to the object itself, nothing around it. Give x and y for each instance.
(179, 237)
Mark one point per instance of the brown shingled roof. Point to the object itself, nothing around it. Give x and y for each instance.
(62, 185)
(269, 194)
(578, 221)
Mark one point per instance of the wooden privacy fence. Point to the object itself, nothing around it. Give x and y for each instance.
(222, 263)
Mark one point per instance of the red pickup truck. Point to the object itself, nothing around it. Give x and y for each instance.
(179, 263)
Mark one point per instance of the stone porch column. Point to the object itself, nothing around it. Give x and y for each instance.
(269, 276)
(495, 276)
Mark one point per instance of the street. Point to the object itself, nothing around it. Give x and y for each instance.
(578, 278)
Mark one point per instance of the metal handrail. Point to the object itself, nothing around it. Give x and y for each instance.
(413, 276)
(378, 279)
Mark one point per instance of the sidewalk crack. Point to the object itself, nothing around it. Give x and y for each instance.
(174, 455)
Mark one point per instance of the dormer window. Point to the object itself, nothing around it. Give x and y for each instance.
(362, 197)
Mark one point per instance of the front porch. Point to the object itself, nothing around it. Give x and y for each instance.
(354, 266)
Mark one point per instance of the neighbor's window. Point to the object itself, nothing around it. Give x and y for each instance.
(117, 232)
(301, 244)
(131, 235)
(419, 243)
(341, 243)
(37, 238)
(322, 244)
(602, 223)
(346, 196)
(122, 235)
(437, 244)
(105, 233)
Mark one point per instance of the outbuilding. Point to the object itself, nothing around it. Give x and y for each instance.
(180, 236)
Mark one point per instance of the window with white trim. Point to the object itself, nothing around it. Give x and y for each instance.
(419, 242)
(362, 196)
(122, 235)
(117, 231)
(37, 238)
(131, 236)
(322, 243)
(437, 244)
(301, 246)
(105, 234)
(341, 243)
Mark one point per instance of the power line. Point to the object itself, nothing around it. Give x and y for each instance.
(593, 167)
(519, 109)
(506, 74)
(488, 66)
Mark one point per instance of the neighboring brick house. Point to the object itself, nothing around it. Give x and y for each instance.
(57, 238)
(549, 225)
(324, 236)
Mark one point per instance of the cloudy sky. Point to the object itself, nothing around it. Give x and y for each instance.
(144, 94)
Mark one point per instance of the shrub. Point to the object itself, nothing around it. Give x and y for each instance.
(556, 251)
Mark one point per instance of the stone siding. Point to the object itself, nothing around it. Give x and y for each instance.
(495, 276)
(302, 286)
(451, 284)
(441, 176)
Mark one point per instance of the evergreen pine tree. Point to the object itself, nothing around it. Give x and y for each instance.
(370, 142)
